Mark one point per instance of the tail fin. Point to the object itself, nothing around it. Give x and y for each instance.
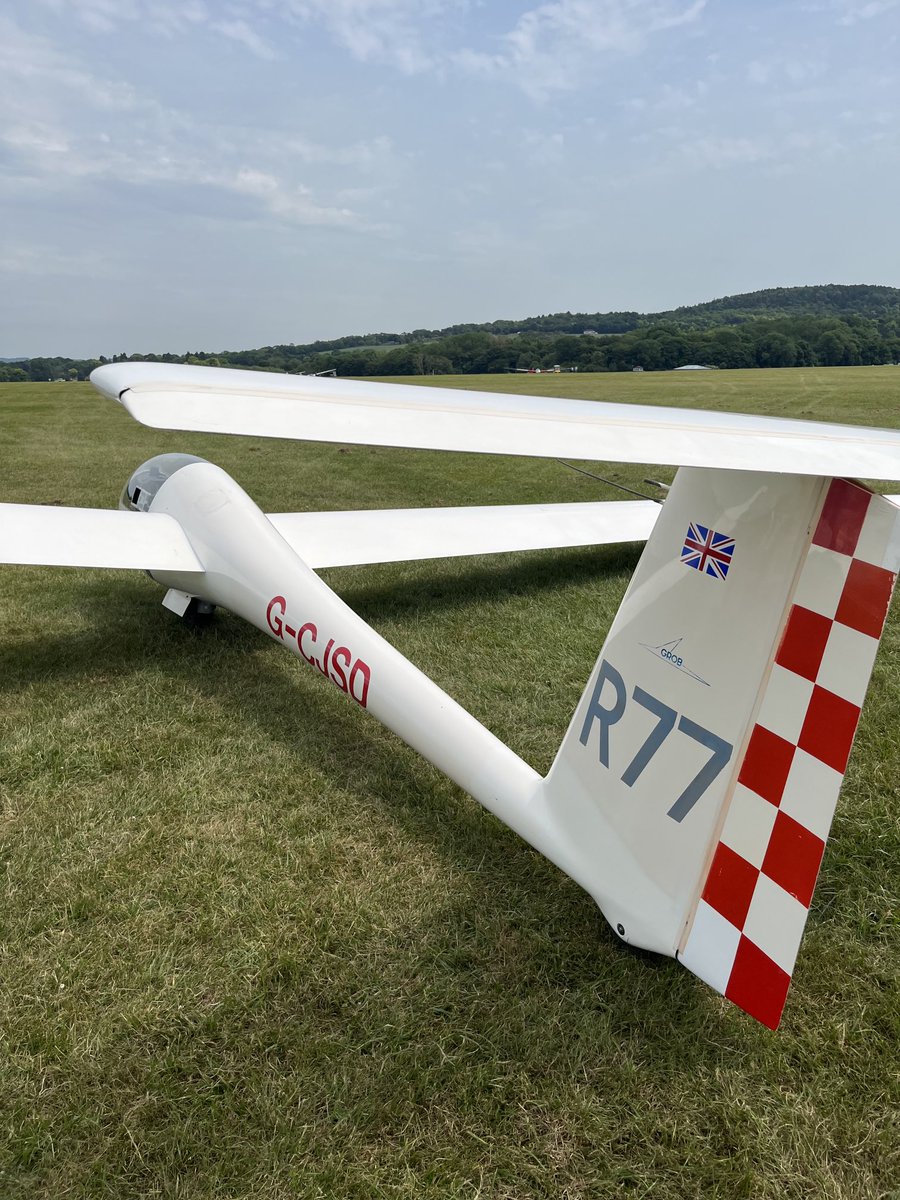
(695, 787)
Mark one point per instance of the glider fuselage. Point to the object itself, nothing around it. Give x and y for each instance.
(253, 572)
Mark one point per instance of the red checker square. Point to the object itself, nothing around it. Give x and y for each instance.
(793, 857)
(865, 598)
(766, 764)
(803, 642)
(829, 728)
(842, 517)
(758, 985)
(729, 885)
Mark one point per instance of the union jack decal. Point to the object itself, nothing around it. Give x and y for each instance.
(707, 551)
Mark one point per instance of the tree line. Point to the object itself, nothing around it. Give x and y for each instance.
(805, 341)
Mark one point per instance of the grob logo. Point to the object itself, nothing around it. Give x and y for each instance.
(668, 652)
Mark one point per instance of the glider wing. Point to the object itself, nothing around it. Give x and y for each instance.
(35, 534)
(341, 539)
(260, 404)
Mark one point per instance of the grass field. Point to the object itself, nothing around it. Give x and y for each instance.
(254, 947)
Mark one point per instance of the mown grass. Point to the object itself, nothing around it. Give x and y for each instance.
(255, 947)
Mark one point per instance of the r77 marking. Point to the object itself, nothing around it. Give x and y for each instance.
(666, 718)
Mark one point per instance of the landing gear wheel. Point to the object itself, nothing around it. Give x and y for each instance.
(198, 614)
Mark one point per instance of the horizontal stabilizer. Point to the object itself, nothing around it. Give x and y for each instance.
(44, 535)
(341, 539)
(257, 403)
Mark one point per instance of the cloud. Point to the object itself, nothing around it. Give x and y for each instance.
(400, 33)
(780, 154)
(412, 36)
(41, 260)
(294, 204)
(101, 16)
(851, 12)
(669, 99)
(545, 49)
(719, 152)
(63, 126)
(239, 31)
(785, 69)
(551, 46)
(158, 16)
(543, 149)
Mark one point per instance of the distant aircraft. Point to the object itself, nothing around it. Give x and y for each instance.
(693, 792)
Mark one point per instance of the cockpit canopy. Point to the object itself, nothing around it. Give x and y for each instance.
(146, 481)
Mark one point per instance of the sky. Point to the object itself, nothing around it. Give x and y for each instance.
(182, 175)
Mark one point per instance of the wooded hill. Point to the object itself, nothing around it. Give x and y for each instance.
(828, 325)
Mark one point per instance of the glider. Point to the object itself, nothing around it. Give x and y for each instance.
(693, 791)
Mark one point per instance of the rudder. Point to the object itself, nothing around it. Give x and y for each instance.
(745, 931)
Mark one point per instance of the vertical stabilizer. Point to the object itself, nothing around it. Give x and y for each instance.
(694, 789)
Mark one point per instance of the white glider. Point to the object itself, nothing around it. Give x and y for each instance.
(693, 792)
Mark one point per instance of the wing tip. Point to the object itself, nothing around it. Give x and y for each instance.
(109, 381)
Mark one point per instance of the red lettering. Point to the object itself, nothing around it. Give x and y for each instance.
(336, 663)
(274, 613)
(308, 627)
(338, 675)
(324, 666)
(361, 668)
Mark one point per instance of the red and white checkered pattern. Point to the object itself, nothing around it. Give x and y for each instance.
(755, 899)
